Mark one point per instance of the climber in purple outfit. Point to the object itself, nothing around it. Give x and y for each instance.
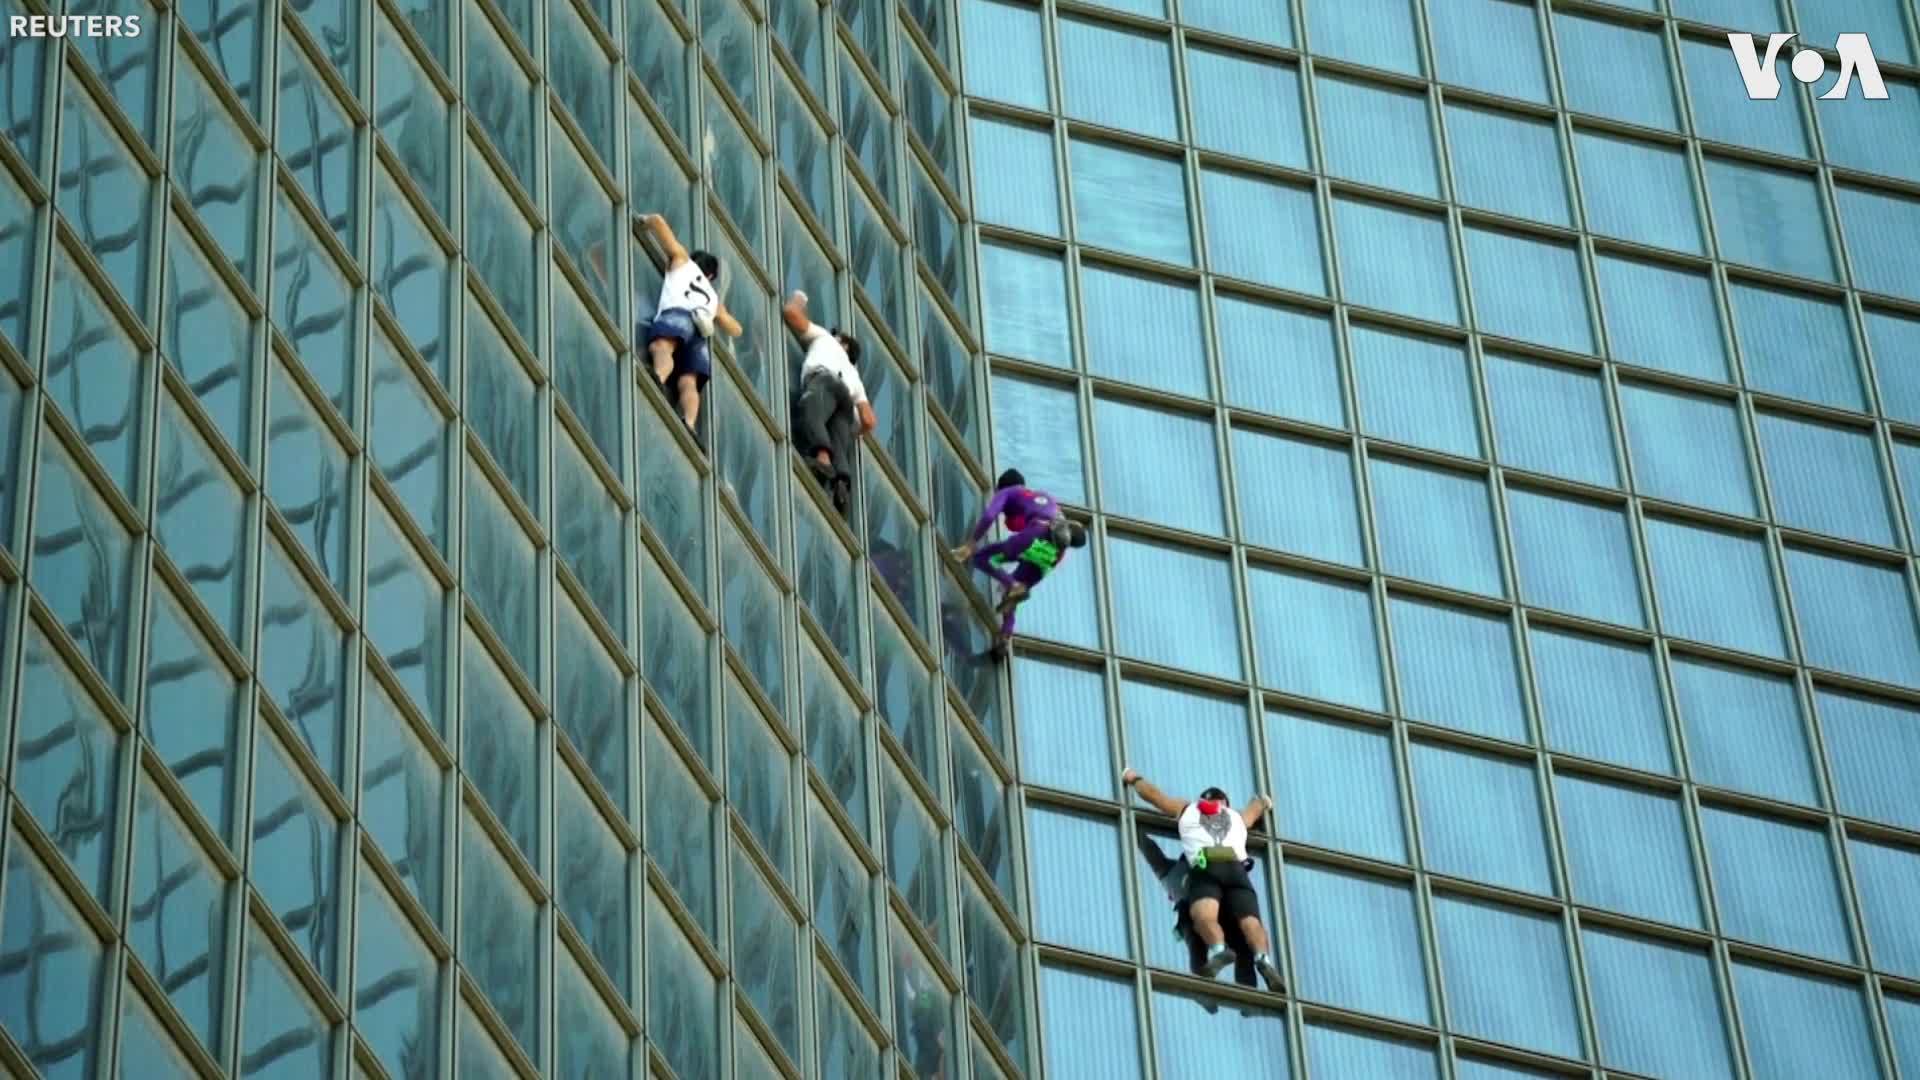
(1040, 539)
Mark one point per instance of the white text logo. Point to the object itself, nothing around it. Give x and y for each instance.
(1808, 66)
(58, 26)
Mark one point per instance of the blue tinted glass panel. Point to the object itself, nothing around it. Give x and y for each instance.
(1504, 162)
(94, 375)
(501, 561)
(1078, 849)
(1378, 33)
(1600, 699)
(50, 983)
(309, 477)
(1888, 878)
(1335, 784)
(1744, 730)
(499, 94)
(190, 710)
(213, 166)
(1882, 232)
(1856, 138)
(205, 334)
(1415, 390)
(1201, 635)
(1797, 1025)
(1158, 465)
(1895, 341)
(1090, 1029)
(409, 273)
(1038, 424)
(296, 845)
(1436, 526)
(1377, 136)
(1068, 751)
(1243, 106)
(1736, 14)
(1775, 883)
(500, 747)
(176, 913)
(1506, 976)
(1457, 669)
(1316, 637)
(1118, 78)
(1656, 1007)
(1687, 448)
(1187, 741)
(1854, 616)
(1661, 317)
(199, 517)
(1296, 494)
(1012, 31)
(1715, 586)
(102, 193)
(1551, 419)
(1357, 942)
(1614, 70)
(1251, 221)
(1396, 260)
(680, 839)
(1721, 109)
(1333, 1051)
(681, 998)
(400, 801)
(1489, 45)
(1825, 479)
(1770, 218)
(1024, 297)
(409, 441)
(300, 659)
(1874, 748)
(1130, 201)
(1144, 330)
(1256, 22)
(66, 769)
(285, 1034)
(405, 619)
(1903, 1016)
(410, 112)
(82, 560)
(1638, 191)
(396, 995)
(1240, 1042)
(1796, 346)
(1013, 175)
(1529, 289)
(1651, 878)
(318, 142)
(1279, 360)
(1480, 818)
(1574, 556)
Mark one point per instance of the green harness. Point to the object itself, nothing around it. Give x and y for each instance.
(1040, 553)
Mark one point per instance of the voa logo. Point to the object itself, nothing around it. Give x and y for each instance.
(1808, 66)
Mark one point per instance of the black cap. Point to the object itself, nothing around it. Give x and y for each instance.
(1215, 794)
(1010, 478)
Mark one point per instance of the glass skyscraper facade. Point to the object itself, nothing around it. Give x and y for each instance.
(1500, 440)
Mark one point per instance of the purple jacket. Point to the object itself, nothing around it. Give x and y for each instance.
(1023, 506)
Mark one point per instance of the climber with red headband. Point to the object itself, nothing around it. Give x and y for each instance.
(1213, 841)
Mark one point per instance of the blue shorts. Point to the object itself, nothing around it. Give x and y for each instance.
(690, 356)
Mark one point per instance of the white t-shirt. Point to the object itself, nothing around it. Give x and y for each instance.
(1224, 829)
(825, 353)
(685, 286)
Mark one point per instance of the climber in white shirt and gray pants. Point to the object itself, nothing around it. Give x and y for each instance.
(833, 410)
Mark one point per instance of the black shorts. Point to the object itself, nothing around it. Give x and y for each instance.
(1228, 883)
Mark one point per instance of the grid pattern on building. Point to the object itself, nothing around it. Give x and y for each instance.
(1503, 442)
(392, 686)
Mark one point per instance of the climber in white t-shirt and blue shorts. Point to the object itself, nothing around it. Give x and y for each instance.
(683, 320)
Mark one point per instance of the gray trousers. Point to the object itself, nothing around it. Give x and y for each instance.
(824, 417)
